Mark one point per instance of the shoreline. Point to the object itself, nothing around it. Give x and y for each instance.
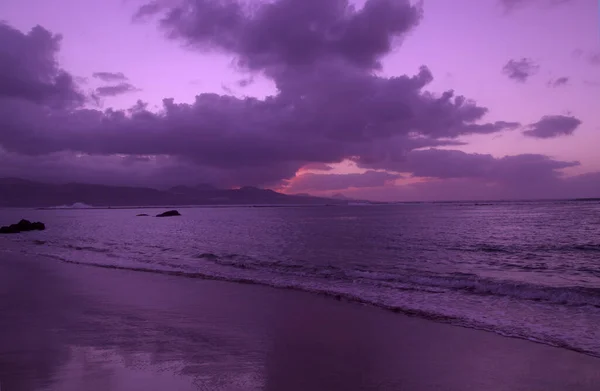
(273, 339)
(330, 295)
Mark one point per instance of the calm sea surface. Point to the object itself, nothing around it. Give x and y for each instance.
(523, 269)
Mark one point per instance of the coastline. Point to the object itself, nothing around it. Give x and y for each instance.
(66, 326)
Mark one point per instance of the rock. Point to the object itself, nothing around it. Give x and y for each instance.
(169, 213)
(142, 214)
(22, 226)
(9, 230)
(37, 226)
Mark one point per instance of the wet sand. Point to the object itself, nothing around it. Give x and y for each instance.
(71, 327)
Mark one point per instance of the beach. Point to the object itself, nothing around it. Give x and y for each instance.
(74, 327)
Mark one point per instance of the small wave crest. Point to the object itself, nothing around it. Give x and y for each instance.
(417, 280)
(87, 248)
(506, 249)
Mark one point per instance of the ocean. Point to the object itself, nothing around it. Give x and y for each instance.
(529, 270)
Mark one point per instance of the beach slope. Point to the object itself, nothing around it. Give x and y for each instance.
(71, 327)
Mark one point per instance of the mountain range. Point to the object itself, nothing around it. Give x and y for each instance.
(16, 192)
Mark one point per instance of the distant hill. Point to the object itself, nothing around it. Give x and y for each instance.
(16, 192)
(340, 196)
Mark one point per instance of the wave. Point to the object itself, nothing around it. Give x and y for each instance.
(347, 294)
(398, 279)
(587, 247)
(531, 251)
(87, 248)
(76, 205)
(571, 296)
(410, 279)
(486, 248)
(102, 250)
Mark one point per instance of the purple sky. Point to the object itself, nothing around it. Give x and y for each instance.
(388, 100)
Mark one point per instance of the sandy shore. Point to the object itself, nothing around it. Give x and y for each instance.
(70, 327)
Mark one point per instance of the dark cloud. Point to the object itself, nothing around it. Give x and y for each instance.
(328, 182)
(292, 33)
(30, 72)
(561, 81)
(110, 76)
(453, 174)
(513, 4)
(114, 90)
(325, 113)
(520, 70)
(556, 187)
(330, 104)
(553, 126)
(452, 164)
(445, 164)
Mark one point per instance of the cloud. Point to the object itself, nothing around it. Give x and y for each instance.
(553, 126)
(292, 33)
(454, 175)
(453, 164)
(557, 187)
(147, 10)
(110, 76)
(327, 182)
(245, 82)
(29, 70)
(561, 81)
(114, 90)
(324, 113)
(594, 58)
(451, 174)
(330, 104)
(520, 70)
(577, 53)
(513, 4)
(509, 169)
(317, 167)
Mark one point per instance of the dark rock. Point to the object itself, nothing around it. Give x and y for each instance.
(9, 230)
(142, 214)
(22, 226)
(169, 213)
(37, 226)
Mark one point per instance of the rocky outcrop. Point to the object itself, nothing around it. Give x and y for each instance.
(169, 213)
(142, 214)
(22, 226)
